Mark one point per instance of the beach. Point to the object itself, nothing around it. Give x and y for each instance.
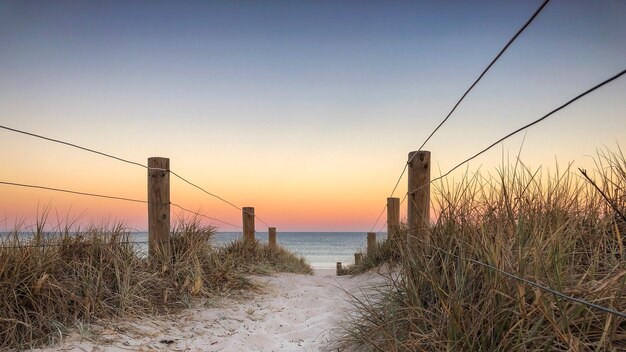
(290, 312)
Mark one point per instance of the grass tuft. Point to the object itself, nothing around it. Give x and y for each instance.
(382, 253)
(261, 258)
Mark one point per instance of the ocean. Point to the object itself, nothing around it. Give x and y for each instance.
(321, 249)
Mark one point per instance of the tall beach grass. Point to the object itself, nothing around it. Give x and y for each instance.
(557, 229)
(51, 283)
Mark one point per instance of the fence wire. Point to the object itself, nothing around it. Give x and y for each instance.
(204, 216)
(127, 161)
(76, 192)
(544, 117)
(76, 146)
(529, 282)
(495, 59)
(116, 198)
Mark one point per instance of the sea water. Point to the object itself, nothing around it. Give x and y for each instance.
(321, 249)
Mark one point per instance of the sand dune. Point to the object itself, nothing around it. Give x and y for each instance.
(292, 313)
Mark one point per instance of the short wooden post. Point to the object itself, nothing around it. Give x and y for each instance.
(159, 208)
(371, 243)
(418, 198)
(393, 220)
(272, 236)
(339, 270)
(248, 225)
(358, 257)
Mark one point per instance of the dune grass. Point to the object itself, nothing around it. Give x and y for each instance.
(52, 283)
(381, 254)
(261, 258)
(558, 230)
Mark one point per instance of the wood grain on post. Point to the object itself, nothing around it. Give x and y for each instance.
(272, 236)
(159, 208)
(248, 224)
(418, 198)
(393, 219)
(371, 243)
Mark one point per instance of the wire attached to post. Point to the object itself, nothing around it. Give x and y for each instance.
(127, 161)
(495, 59)
(544, 117)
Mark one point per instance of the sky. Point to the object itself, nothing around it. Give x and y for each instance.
(305, 110)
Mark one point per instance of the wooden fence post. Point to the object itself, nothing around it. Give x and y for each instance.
(418, 212)
(159, 208)
(371, 243)
(358, 257)
(418, 207)
(393, 221)
(272, 237)
(339, 269)
(248, 225)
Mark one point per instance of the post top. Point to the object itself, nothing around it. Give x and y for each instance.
(422, 152)
(159, 162)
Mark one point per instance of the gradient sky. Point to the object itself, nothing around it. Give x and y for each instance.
(305, 110)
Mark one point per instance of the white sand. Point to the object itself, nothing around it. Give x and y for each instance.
(294, 313)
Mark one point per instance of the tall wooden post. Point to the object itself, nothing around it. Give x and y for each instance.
(159, 208)
(272, 237)
(393, 220)
(418, 198)
(418, 210)
(371, 243)
(248, 225)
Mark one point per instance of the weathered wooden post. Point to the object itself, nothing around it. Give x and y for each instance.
(371, 243)
(248, 225)
(339, 269)
(418, 198)
(159, 208)
(393, 221)
(418, 210)
(272, 236)
(358, 257)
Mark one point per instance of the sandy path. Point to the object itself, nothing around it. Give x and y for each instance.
(294, 313)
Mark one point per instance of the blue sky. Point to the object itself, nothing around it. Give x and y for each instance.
(313, 95)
